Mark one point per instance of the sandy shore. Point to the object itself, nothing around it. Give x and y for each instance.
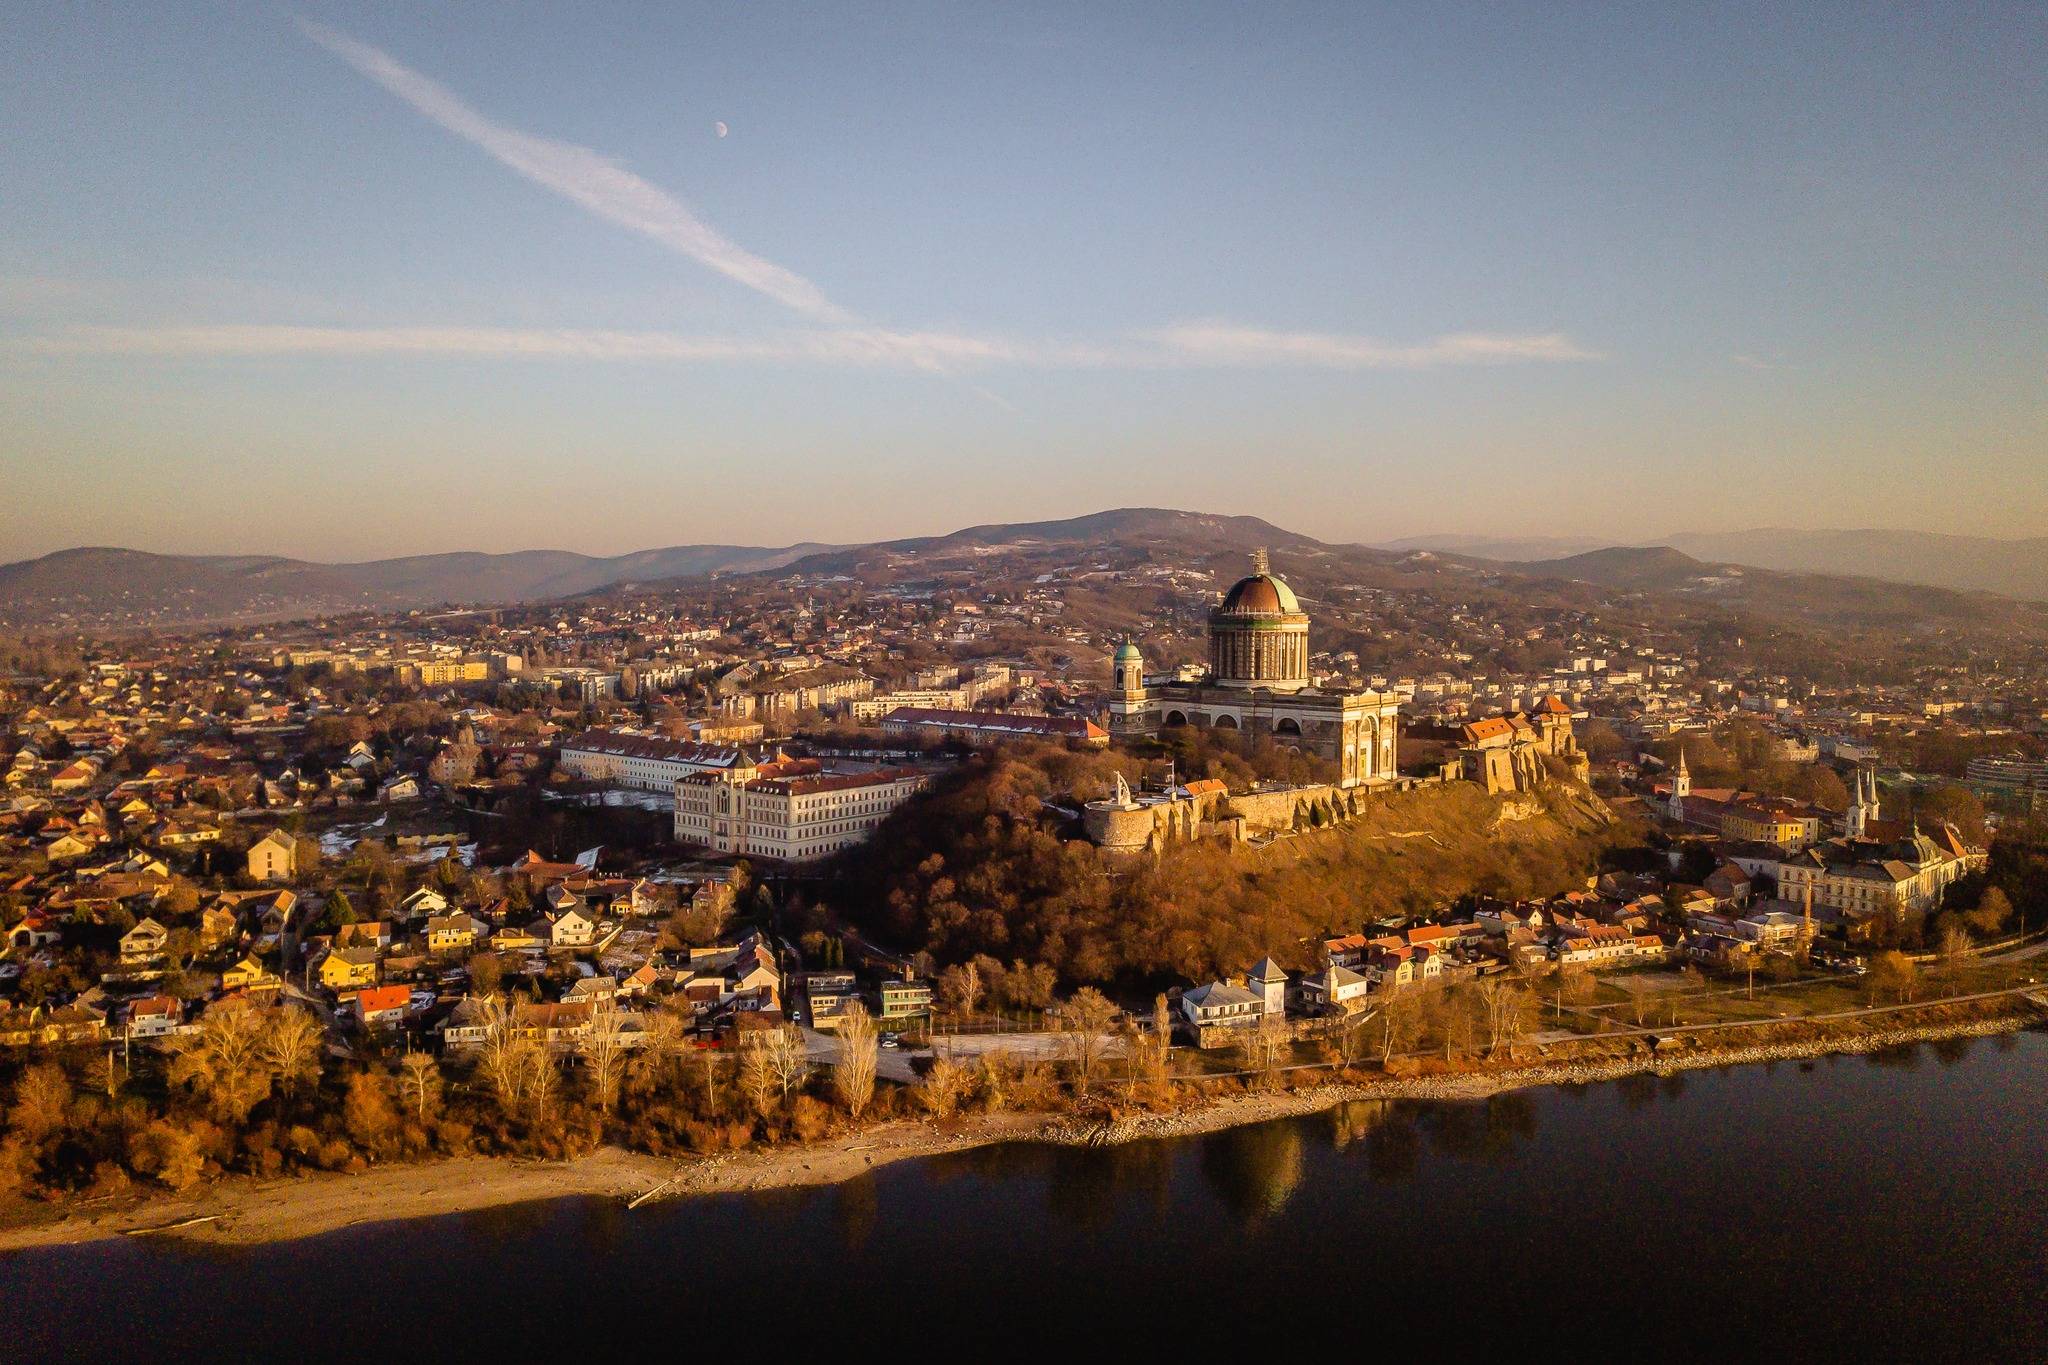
(241, 1211)
(245, 1211)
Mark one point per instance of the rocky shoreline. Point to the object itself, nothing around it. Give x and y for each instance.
(1235, 1110)
(248, 1212)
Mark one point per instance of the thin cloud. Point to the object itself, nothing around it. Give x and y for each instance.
(1226, 344)
(615, 194)
(584, 177)
(1207, 347)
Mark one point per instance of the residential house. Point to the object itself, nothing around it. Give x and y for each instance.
(905, 1000)
(273, 858)
(454, 933)
(154, 1016)
(1336, 987)
(247, 975)
(145, 944)
(382, 1006)
(829, 994)
(572, 928)
(372, 934)
(345, 969)
(1221, 1004)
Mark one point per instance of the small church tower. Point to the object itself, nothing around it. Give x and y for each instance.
(1127, 670)
(1863, 806)
(1130, 710)
(1681, 787)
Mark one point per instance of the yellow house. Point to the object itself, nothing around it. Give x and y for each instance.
(243, 975)
(348, 969)
(1762, 825)
(451, 933)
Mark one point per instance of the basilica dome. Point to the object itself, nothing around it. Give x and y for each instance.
(1258, 634)
(1257, 595)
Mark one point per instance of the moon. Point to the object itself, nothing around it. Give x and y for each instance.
(720, 128)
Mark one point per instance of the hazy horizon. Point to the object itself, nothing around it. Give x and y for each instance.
(1454, 542)
(355, 282)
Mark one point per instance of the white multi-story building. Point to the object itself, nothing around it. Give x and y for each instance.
(644, 762)
(788, 810)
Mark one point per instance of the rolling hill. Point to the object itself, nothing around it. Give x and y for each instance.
(2011, 568)
(116, 589)
(106, 588)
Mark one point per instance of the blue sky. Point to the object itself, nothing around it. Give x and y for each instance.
(357, 280)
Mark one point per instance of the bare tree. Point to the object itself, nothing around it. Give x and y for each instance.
(710, 1060)
(1264, 1043)
(542, 1077)
(1452, 1014)
(419, 1081)
(41, 1099)
(853, 1072)
(225, 1061)
(786, 1057)
(291, 1046)
(945, 1085)
(652, 1063)
(1507, 1008)
(1148, 1048)
(499, 1056)
(960, 986)
(757, 1077)
(1954, 950)
(367, 1112)
(1084, 1022)
(1400, 1021)
(604, 1048)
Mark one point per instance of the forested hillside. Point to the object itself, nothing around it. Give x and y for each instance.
(978, 866)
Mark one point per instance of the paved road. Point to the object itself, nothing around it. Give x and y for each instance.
(1039, 1046)
(891, 1063)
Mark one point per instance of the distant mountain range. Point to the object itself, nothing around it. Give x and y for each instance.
(115, 589)
(2010, 568)
(112, 588)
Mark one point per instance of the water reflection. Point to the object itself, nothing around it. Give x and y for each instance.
(1393, 1151)
(1088, 1184)
(856, 1205)
(1354, 1120)
(1949, 1051)
(1226, 1233)
(1255, 1171)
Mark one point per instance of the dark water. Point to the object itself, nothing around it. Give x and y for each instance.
(1891, 1208)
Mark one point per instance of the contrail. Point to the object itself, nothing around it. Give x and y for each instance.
(1207, 346)
(585, 177)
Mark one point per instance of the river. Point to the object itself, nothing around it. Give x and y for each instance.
(1892, 1207)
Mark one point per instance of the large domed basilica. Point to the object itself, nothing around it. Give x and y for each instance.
(1258, 634)
(1258, 682)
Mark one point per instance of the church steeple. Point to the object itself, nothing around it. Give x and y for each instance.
(1681, 787)
(1863, 808)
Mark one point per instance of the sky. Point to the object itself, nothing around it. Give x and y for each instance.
(346, 281)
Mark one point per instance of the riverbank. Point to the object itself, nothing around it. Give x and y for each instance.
(248, 1212)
